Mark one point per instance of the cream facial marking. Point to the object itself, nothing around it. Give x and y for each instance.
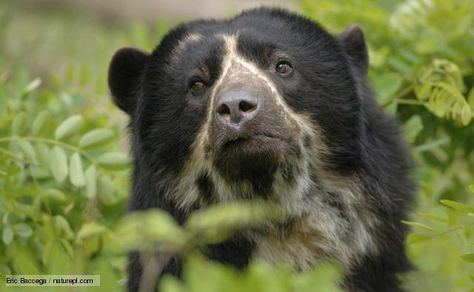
(186, 192)
(231, 59)
(233, 66)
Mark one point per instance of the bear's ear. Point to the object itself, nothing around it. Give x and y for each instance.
(353, 42)
(125, 70)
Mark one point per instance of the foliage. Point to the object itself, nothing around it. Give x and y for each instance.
(440, 86)
(203, 276)
(59, 175)
(140, 231)
(64, 172)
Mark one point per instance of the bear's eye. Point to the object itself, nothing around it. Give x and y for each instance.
(284, 68)
(197, 87)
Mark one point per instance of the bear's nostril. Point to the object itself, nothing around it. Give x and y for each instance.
(235, 107)
(245, 106)
(223, 110)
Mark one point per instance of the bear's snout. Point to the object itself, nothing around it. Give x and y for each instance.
(235, 108)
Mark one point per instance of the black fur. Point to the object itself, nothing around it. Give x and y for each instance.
(329, 85)
(206, 188)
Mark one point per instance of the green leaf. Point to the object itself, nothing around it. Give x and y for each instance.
(95, 137)
(457, 205)
(39, 122)
(32, 86)
(441, 85)
(68, 127)
(106, 191)
(59, 163)
(469, 257)
(171, 284)
(19, 123)
(470, 98)
(213, 223)
(23, 230)
(437, 216)
(67, 247)
(76, 173)
(7, 235)
(38, 172)
(417, 225)
(323, 278)
(91, 182)
(22, 256)
(386, 85)
(417, 238)
(114, 160)
(90, 229)
(47, 249)
(43, 155)
(399, 64)
(55, 194)
(430, 145)
(145, 229)
(27, 149)
(61, 224)
(412, 127)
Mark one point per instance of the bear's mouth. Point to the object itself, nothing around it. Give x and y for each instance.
(251, 158)
(253, 143)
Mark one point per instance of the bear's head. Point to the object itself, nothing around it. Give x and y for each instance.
(266, 105)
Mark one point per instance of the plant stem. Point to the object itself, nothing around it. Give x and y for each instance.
(409, 101)
(16, 157)
(400, 94)
(51, 141)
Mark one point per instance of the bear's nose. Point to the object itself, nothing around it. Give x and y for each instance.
(236, 107)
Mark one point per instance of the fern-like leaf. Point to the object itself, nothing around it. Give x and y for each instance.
(440, 86)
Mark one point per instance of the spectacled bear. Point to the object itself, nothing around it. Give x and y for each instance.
(269, 105)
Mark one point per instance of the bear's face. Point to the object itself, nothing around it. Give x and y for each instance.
(264, 105)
